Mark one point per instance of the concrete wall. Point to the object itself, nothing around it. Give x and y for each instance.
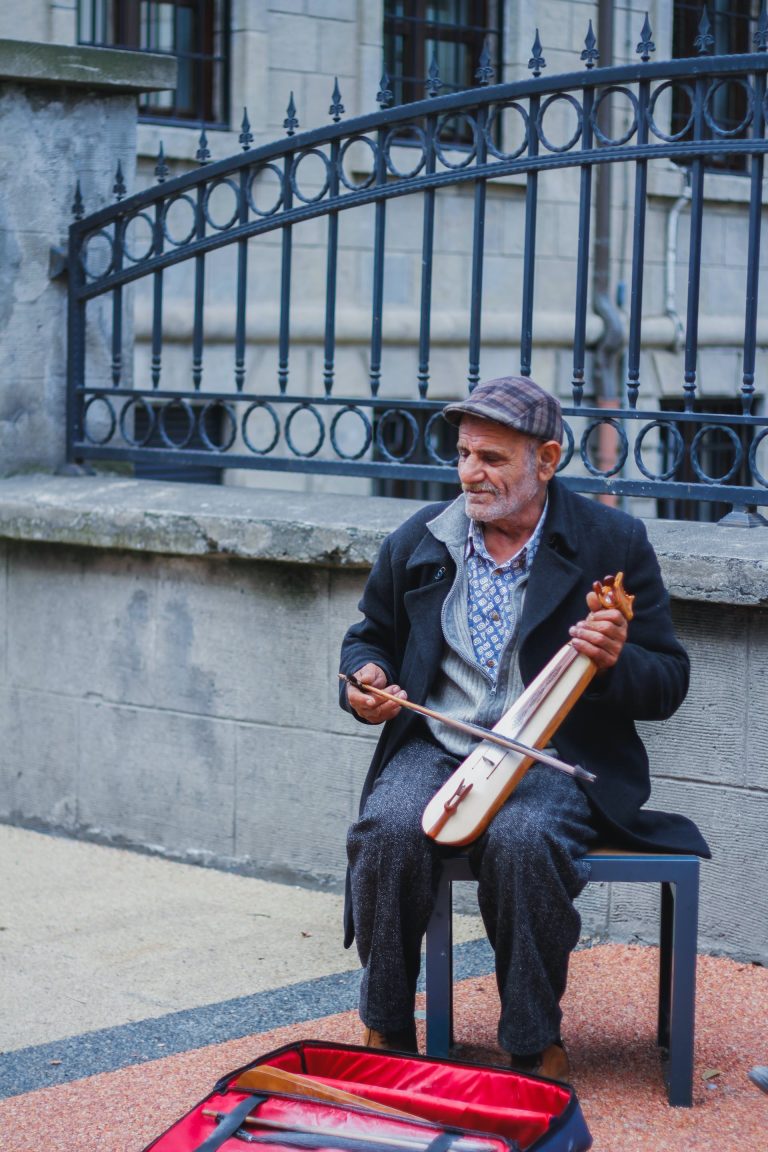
(168, 659)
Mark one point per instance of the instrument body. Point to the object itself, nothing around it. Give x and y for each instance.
(462, 809)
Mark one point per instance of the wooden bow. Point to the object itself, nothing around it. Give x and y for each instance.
(462, 809)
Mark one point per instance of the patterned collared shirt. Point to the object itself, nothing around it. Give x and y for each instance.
(490, 590)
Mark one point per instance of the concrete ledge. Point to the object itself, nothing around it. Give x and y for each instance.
(74, 65)
(700, 562)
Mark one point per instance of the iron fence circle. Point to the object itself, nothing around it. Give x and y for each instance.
(299, 159)
(622, 457)
(567, 455)
(185, 406)
(490, 127)
(346, 410)
(440, 147)
(89, 272)
(738, 453)
(132, 440)
(137, 259)
(678, 449)
(553, 99)
(167, 206)
(429, 442)
(229, 440)
(715, 87)
(395, 136)
(756, 473)
(320, 430)
(615, 141)
(99, 398)
(408, 419)
(261, 406)
(222, 182)
(669, 138)
(358, 185)
(253, 175)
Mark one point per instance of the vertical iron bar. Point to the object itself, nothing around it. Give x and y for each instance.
(197, 329)
(753, 251)
(478, 251)
(76, 320)
(378, 270)
(582, 260)
(694, 253)
(529, 253)
(331, 268)
(157, 300)
(427, 246)
(638, 250)
(242, 285)
(285, 280)
(117, 308)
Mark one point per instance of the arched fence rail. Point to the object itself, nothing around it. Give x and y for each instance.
(384, 427)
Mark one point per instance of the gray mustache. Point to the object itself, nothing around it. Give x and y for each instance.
(480, 488)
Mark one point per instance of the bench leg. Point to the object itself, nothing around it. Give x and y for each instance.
(681, 986)
(439, 973)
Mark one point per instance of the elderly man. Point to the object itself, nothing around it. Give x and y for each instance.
(466, 603)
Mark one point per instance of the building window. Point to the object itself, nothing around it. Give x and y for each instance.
(196, 32)
(732, 25)
(452, 31)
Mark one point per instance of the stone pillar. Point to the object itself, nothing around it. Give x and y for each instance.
(66, 113)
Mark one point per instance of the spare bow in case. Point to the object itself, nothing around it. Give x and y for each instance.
(318, 1095)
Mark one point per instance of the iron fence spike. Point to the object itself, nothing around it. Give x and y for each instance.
(590, 55)
(384, 96)
(118, 188)
(704, 40)
(78, 207)
(485, 71)
(161, 168)
(336, 109)
(434, 83)
(246, 136)
(760, 38)
(646, 45)
(291, 121)
(203, 153)
(537, 61)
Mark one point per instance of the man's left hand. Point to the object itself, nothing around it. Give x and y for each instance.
(602, 635)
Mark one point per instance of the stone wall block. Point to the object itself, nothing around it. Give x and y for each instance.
(40, 758)
(81, 624)
(293, 45)
(756, 773)
(3, 611)
(160, 779)
(297, 793)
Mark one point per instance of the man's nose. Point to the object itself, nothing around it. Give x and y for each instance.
(469, 468)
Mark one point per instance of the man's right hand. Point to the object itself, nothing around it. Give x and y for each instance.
(368, 707)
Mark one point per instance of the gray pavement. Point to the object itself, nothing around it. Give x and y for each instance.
(109, 957)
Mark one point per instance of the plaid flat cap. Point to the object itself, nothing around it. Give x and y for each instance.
(515, 401)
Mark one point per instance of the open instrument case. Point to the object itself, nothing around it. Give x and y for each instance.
(319, 1095)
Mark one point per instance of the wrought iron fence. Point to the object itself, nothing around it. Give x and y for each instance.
(379, 424)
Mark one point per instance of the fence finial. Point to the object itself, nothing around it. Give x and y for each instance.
(705, 40)
(291, 121)
(760, 38)
(590, 55)
(646, 45)
(434, 83)
(203, 153)
(118, 188)
(537, 61)
(336, 109)
(78, 207)
(246, 136)
(384, 96)
(161, 168)
(485, 71)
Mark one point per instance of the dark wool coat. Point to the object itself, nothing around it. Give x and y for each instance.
(582, 541)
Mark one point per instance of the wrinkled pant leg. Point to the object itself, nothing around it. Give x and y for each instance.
(529, 867)
(394, 869)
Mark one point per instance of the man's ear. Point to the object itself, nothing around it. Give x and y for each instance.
(548, 457)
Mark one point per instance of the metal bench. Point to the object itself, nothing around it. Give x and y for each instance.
(679, 880)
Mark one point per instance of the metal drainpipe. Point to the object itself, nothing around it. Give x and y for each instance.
(670, 301)
(607, 359)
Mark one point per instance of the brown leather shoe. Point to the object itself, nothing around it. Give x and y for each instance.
(552, 1062)
(403, 1040)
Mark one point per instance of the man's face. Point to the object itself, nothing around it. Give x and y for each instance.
(503, 473)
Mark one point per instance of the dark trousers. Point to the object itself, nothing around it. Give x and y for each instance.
(529, 870)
